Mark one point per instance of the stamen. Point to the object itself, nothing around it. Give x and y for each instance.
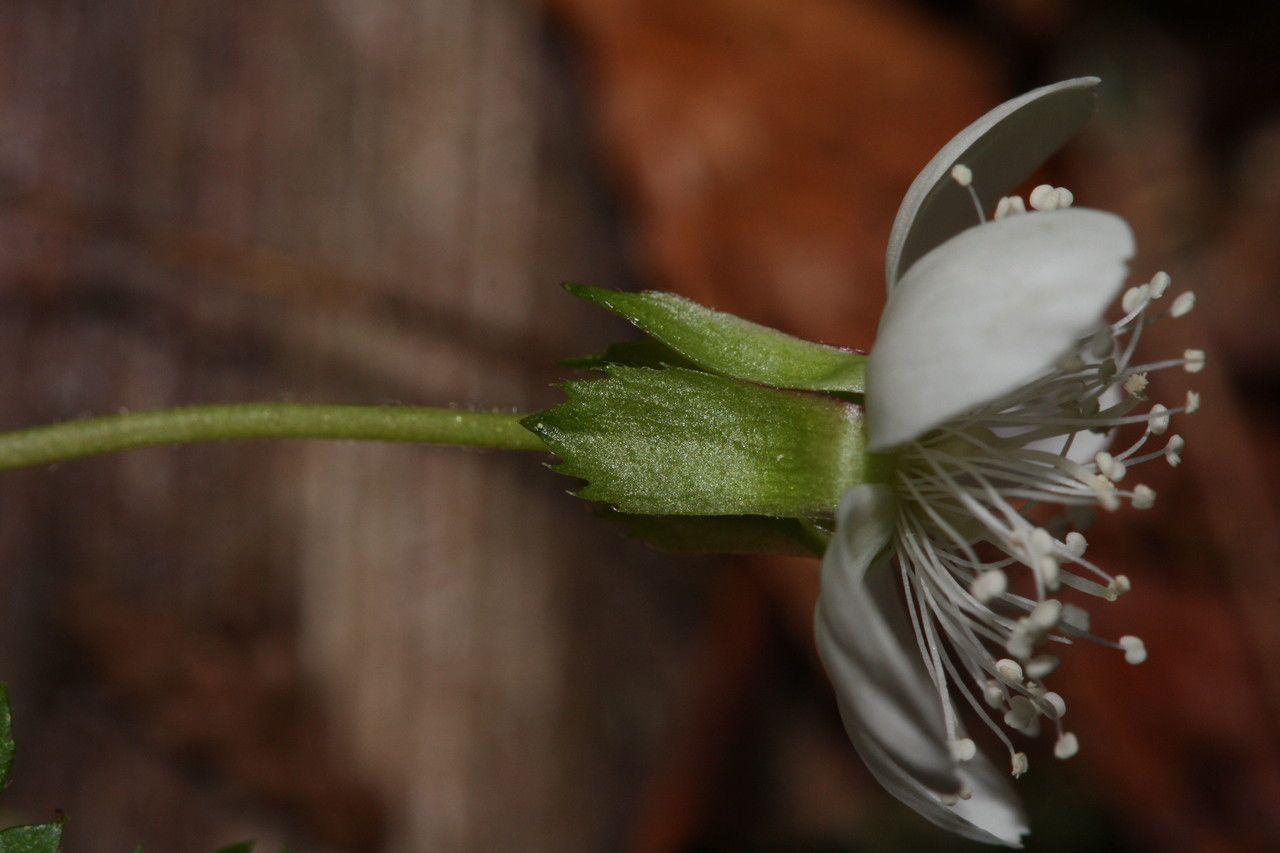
(989, 585)
(1109, 467)
(963, 749)
(1135, 651)
(1010, 205)
(1052, 705)
(1136, 384)
(1066, 746)
(1134, 298)
(1183, 304)
(1105, 491)
(1045, 615)
(1009, 670)
(1046, 197)
(963, 176)
(1042, 666)
(1193, 403)
(1159, 419)
(1159, 284)
(1020, 764)
(978, 482)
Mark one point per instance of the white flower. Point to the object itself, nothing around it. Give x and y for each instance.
(994, 386)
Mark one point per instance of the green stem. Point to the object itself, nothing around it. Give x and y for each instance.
(239, 421)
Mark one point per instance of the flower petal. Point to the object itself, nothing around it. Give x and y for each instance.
(987, 311)
(992, 814)
(865, 642)
(890, 710)
(1002, 149)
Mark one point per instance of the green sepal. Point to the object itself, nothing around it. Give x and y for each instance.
(33, 838)
(682, 442)
(645, 352)
(728, 345)
(6, 738)
(721, 534)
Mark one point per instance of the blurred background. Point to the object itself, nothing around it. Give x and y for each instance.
(369, 648)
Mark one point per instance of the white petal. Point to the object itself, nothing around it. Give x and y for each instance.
(987, 311)
(1001, 149)
(866, 644)
(890, 709)
(992, 814)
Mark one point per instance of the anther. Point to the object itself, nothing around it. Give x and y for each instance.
(1194, 360)
(1010, 205)
(1134, 297)
(1052, 705)
(1019, 764)
(1045, 615)
(1183, 304)
(1076, 543)
(962, 749)
(1120, 583)
(1105, 491)
(1136, 384)
(1040, 542)
(1173, 451)
(1022, 713)
(1042, 666)
(1135, 651)
(1066, 746)
(962, 174)
(1045, 197)
(989, 585)
(1144, 497)
(1193, 402)
(993, 693)
(1158, 420)
(1049, 572)
(1009, 670)
(1159, 284)
(1109, 467)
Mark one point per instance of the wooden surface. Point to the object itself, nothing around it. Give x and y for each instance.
(338, 647)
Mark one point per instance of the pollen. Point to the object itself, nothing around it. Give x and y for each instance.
(1136, 384)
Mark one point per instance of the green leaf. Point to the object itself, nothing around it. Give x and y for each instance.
(681, 442)
(36, 838)
(729, 345)
(721, 534)
(6, 738)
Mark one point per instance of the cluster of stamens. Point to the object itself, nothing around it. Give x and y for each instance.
(973, 496)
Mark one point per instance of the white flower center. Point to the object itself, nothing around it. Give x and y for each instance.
(973, 496)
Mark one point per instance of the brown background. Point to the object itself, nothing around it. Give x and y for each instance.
(387, 648)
